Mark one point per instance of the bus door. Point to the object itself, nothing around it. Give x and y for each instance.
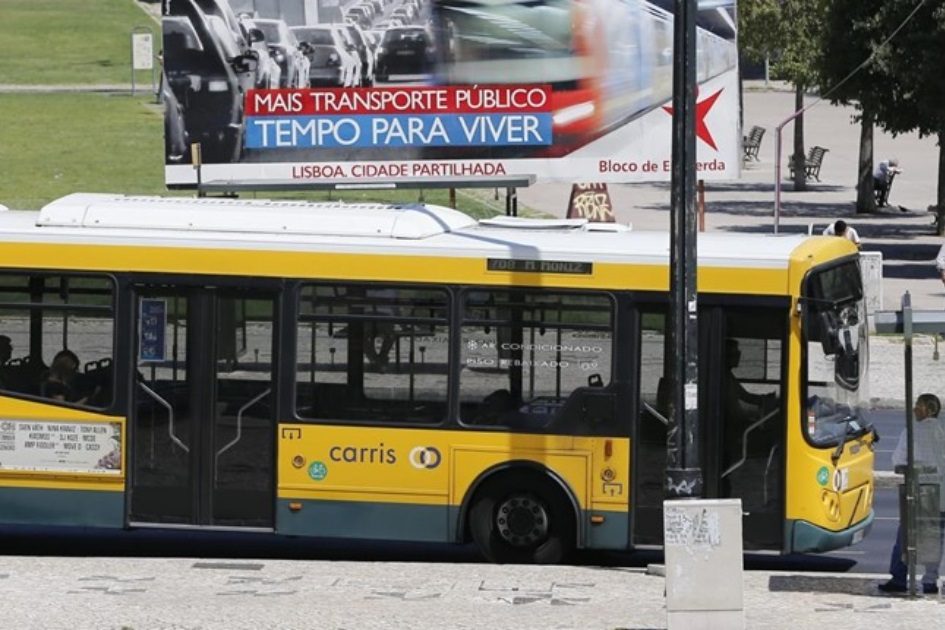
(203, 420)
(744, 418)
(741, 371)
(649, 441)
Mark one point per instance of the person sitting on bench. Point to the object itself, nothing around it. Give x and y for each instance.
(883, 175)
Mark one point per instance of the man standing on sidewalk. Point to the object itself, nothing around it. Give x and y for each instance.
(929, 451)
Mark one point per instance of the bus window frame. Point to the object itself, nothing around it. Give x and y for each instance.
(294, 311)
(113, 406)
(612, 384)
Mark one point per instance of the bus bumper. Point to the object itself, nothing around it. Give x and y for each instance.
(803, 537)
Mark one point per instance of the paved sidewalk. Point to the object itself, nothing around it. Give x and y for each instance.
(149, 593)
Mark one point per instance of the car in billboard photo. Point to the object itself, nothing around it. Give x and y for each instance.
(176, 139)
(268, 73)
(362, 16)
(365, 51)
(243, 60)
(331, 62)
(406, 53)
(385, 24)
(284, 48)
(407, 13)
(209, 76)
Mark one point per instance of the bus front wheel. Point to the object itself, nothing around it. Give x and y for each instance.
(523, 524)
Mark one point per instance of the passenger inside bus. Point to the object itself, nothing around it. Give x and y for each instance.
(741, 405)
(63, 381)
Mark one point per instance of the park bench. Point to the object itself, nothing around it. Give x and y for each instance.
(751, 143)
(815, 157)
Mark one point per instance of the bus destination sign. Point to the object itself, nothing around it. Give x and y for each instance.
(540, 266)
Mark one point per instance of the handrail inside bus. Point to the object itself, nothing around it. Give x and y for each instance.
(771, 453)
(750, 428)
(239, 425)
(655, 413)
(170, 415)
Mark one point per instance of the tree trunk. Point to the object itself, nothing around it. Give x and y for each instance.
(800, 177)
(865, 199)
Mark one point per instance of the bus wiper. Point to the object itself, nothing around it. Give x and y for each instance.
(835, 456)
(852, 427)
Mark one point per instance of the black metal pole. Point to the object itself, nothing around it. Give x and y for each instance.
(911, 478)
(683, 467)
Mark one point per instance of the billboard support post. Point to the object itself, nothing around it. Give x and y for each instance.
(684, 437)
(197, 160)
(511, 202)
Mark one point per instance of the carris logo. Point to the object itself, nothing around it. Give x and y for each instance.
(425, 457)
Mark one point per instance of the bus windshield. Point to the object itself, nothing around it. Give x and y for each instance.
(837, 354)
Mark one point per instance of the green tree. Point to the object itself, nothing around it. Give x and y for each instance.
(854, 30)
(914, 92)
(788, 33)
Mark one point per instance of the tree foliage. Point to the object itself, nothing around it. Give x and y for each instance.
(787, 32)
(901, 86)
(853, 31)
(912, 97)
(759, 28)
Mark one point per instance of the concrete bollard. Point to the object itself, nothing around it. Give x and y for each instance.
(704, 571)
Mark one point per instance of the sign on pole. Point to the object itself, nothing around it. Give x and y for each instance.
(142, 55)
(142, 51)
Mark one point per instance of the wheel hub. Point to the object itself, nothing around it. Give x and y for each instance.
(522, 521)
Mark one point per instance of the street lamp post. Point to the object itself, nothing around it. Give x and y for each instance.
(683, 467)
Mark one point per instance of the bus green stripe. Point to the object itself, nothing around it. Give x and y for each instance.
(82, 508)
(411, 522)
(356, 519)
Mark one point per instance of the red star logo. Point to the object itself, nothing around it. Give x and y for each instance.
(702, 108)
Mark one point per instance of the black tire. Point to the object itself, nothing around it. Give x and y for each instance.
(522, 520)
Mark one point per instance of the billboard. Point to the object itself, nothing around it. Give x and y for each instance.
(320, 91)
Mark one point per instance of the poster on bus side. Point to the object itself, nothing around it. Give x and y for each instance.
(300, 91)
(60, 446)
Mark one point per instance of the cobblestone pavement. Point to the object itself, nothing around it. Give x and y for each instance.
(122, 593)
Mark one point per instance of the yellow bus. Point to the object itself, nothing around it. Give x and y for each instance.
(409, 373)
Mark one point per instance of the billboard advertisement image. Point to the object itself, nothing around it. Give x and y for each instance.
(308, 91)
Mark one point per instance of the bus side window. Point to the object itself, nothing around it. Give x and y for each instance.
(46, 314)
(537, 361)
(372, 353)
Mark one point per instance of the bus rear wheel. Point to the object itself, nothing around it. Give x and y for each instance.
(527, 524)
